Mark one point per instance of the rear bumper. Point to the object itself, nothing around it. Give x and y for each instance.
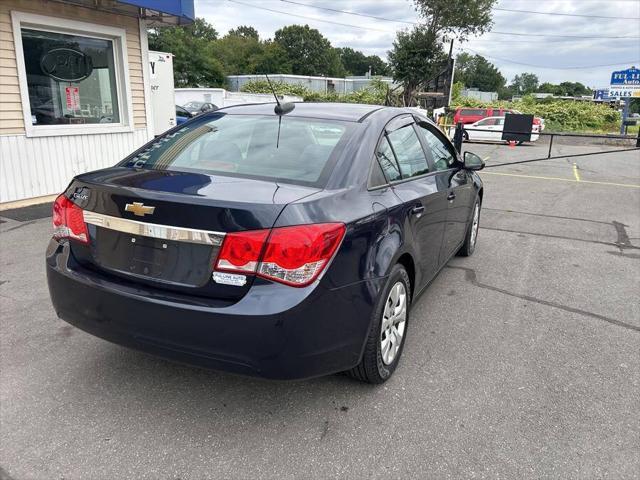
(274, 331)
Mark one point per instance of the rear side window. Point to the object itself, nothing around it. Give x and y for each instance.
(295, 150)
(387, 161)
(409, 152)
(441, 153)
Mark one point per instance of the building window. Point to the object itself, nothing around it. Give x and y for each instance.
(71, 79)
(72, 76)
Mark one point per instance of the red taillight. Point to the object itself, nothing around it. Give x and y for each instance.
(68, 220)
(241, 251)
(292, 255)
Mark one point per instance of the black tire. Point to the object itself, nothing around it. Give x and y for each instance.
(371, 368)
(469, 245)
(465, 136)
(520, 142)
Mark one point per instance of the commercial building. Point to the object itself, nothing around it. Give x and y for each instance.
(74, 87)
(315, 84)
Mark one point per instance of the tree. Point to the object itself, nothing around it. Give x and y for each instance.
(357, 63)
(245, 31)
(415, 58)
(194, 61)
(309, 52)
(378, 66)
(354, 61)
(274, 59)
(238, 54)
(477, 72)
(565, 89)
(525, 83)
(461, 18)
(417, 54)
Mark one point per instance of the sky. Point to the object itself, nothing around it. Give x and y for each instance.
(547, 56)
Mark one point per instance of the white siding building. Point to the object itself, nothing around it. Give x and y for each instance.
(74, 89)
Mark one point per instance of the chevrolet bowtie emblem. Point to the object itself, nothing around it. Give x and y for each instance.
(138, 209)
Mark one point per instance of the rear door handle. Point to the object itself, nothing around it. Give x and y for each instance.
(451, 196)
(417, 210)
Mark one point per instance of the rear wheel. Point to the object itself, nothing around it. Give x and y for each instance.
(388, 330)
(469, 245)
(465, 136)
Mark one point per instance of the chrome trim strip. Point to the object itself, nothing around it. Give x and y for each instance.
(163, 232)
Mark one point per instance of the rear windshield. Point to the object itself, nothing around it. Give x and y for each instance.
(291, 149)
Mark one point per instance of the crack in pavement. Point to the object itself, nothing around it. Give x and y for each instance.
(546, 215)
(562, 237)
(472, 277)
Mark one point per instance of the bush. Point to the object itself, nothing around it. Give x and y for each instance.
(559, 115)
(374, 94)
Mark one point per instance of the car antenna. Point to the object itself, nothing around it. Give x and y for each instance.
(281, 108)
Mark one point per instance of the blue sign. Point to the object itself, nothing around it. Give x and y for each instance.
(601, 94)
(630, 76)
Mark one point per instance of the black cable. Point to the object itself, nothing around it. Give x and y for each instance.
(563, 14)
(393, 31)
(585, 67)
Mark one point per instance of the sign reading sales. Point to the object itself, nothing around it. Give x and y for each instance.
(625, 83)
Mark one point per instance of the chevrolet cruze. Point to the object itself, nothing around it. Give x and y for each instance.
(285, 242)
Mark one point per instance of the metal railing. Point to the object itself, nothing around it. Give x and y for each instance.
(458, 138)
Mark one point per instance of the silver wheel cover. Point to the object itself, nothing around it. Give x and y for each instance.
(394, 320)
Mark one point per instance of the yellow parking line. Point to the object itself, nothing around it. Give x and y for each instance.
(575, 172)
(611, 184)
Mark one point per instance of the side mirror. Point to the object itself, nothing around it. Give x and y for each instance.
(472, 161)
(206, 107)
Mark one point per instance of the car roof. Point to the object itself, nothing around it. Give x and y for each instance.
(351, 112)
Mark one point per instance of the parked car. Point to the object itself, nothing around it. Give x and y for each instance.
(196, 107)
(472, 115)
(490, 130)
(182, 115)
(285, 245)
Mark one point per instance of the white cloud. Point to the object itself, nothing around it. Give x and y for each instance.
(376, 36)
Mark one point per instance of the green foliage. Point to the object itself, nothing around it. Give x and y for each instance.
(239, 54)
(475, 71)
(456, 90)
(375, 94)
(559, 115)
(461, 17)
(309, 52)
(416, 57)
(567, 89)
(194, 61)
(357, 63)
(245, 31)
(525, 83)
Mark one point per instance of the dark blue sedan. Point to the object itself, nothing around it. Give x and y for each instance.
(285, 243)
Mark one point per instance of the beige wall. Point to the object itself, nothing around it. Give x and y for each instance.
(11, 121)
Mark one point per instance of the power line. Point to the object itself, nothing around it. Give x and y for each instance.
(585, 67)
(523, 34)
(553, 35)
(310, 18)
(500, 9)
(335, 10)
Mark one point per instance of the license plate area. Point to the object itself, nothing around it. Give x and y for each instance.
(166, 261)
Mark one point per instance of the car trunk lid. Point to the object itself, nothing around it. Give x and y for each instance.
(165, 228)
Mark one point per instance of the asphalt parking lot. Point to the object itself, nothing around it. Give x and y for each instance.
(522, 361)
